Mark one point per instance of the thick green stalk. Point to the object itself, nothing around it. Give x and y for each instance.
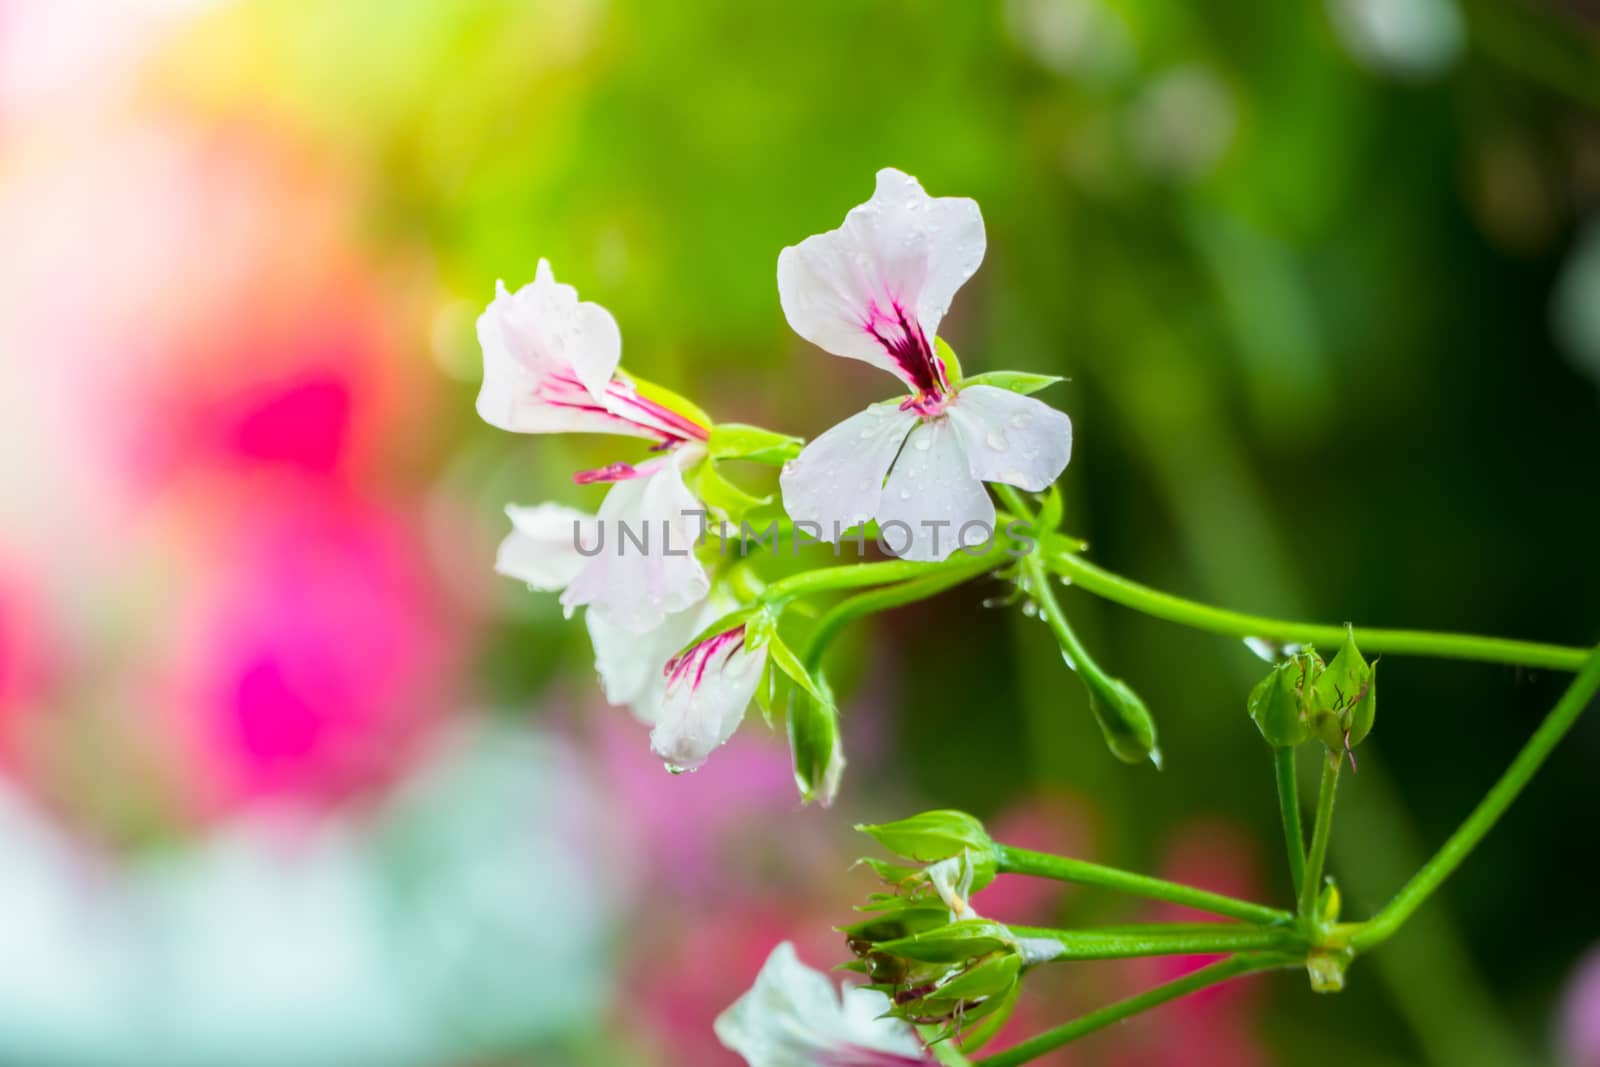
(1283, 762)
(1050, 1040)
(1176, 609)
(1321, 828)
(864, 575)
(1175, 939)
(1081, 872)
(1487, 813)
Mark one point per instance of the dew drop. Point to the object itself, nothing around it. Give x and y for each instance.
(905, 494)
(996, 440)
(924, 442)
(1020, 419)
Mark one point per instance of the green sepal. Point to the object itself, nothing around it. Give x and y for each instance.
(1345, 699)
(722, 496)
(667, 398)
(1014, 381)
(755, 618)
(985, 978)
(733, 440)
(790, 664)
(767, 691)
(908, 920)
(933, 836)
(952, 943)
(814, 741)
(999, 1009)
(1278, 707)
(952, 363)
(1049, 511)
(890, 873)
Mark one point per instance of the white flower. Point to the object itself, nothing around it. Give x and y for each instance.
(634, 564)
(791, 1017)
(550, 366)
(875, 290)
(708, 688)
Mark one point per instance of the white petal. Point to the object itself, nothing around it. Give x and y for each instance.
(932, 497)
(543, 335)
(901, 249)
(792, 1017)
(702, 709)
(1011, 438)
(543, 547)
(837, 480)
(646, 568)
(630, 664)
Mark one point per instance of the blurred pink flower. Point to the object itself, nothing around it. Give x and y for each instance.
(1058, 823)
(25, 662)
(316, 657)
(1579, 1034)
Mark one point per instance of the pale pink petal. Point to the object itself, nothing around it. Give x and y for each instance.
(836, 481)
(1011, 438)
(708, 689)
(544, 547)
(646, 567)
(547, 360)
(932, 497)
(876, 288)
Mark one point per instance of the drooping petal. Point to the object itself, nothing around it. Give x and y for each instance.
(646, 568)
(631, 664)
(932, 498)
(1011, 438)
(837, 480)
(546, 546)
(876, 288)
(707, 691)
(792, 1017)
(547, 360)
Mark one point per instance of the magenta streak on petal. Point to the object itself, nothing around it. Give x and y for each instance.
(902, 338)
(699, 657)
(611, 472)
(656, 416)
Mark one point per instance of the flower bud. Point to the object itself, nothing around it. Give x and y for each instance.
(1129, 729)
(983, 985)
(815, 744)
(938, 835)
(1344, 699)
(1279, 703)
(954, 942)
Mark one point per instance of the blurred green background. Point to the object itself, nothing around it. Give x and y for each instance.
(1321, 277)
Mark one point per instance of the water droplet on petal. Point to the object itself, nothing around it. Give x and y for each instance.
(924, 442)
(996, 440)
(1020, 419)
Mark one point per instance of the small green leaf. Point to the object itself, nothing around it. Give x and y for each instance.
(974, 1037)
(1014, 381)
(733, 440)
(952, 364)
(790, 664)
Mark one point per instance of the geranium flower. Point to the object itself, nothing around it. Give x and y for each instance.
(550, 366)
(875, 290)
(634, 563)
(708, 688)
(792, 1017)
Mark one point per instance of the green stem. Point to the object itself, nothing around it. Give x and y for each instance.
(1062, 869)
(1050, 1040)
(1178, 939)
(1487, 813)
(1321, 828)
(845, 612)
(1176, 609)
(1283, 762)
(862, 575)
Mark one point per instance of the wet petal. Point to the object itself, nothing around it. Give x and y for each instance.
(876, 288)
(543, 547)
(1011, 438)
(837, 480)
(706, 696)
(547, 359)
(630, 664)
(932, 497)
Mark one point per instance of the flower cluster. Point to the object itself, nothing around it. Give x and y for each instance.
(682, 633)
